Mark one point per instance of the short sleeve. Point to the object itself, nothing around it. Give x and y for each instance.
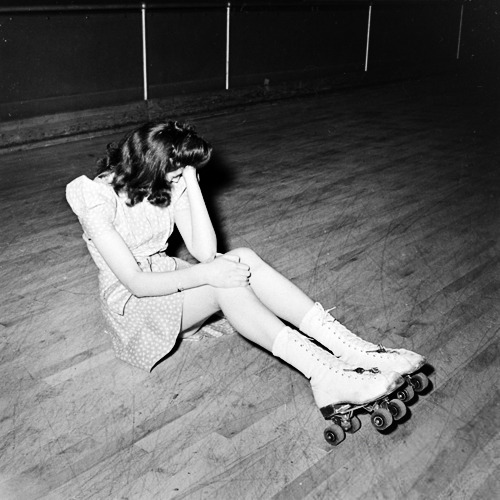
(180, 199)
(94, 203)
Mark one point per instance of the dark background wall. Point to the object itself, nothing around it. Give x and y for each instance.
(88, 54)
(186, 49)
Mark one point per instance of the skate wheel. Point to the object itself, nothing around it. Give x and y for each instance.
(405, 395)
(420, 382)
(397, 408)
(355, 425)
(381, 419)
(334, 434)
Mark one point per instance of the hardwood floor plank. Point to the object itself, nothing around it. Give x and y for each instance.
(479, 429)
(488, 488)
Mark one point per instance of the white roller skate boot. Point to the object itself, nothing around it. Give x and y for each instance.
(340, 389)
(324, 328)
(333, 382)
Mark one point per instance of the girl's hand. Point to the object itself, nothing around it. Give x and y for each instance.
(227, 272)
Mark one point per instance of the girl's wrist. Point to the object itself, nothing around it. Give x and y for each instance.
(192, 178)
(189, 172)
(201, 268)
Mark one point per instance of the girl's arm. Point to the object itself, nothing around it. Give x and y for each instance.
(221, 272)
(195, 225)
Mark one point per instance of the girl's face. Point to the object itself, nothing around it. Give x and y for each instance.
(175, 175)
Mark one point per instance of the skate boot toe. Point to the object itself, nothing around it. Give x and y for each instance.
(401, 361)
(415, 360)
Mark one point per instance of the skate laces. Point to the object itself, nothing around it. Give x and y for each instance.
(342, 332)
(346, 336)
(383, 350)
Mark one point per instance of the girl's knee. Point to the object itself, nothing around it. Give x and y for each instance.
(246, 256)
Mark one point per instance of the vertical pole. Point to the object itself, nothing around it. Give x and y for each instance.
(228, 18)
(144, 53)
(368, 36)
(460, 30)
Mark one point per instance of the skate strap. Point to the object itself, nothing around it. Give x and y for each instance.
(362, 370)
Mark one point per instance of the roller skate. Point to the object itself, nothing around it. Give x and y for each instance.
(329, 332)
(385, 412)
(340, 389)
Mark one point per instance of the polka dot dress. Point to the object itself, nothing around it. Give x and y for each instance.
(142, 329)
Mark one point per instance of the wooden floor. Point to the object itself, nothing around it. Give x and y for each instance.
(383, 202)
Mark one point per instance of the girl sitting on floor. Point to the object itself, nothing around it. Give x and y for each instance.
(147, 184)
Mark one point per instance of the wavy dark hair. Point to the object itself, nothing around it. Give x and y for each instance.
(141, 160)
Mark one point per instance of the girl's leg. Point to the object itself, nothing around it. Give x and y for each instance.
(246, 313)
(199, 305)
(287, 301)
(332, 381)
(276, 292)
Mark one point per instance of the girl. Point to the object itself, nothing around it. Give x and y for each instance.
(148, 183)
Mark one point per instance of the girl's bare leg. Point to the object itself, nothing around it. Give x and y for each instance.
(243, 309)
(332, 380)
(288, 302)
(276, 292)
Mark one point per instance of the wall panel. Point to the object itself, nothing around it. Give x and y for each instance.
(296, 42)
(73, 60)
(187, 50)
(414, 34)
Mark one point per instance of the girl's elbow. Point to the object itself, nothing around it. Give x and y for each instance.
(205, 256)
(209, 257)
(205, 253)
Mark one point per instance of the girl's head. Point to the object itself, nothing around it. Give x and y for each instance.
(143, 158)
